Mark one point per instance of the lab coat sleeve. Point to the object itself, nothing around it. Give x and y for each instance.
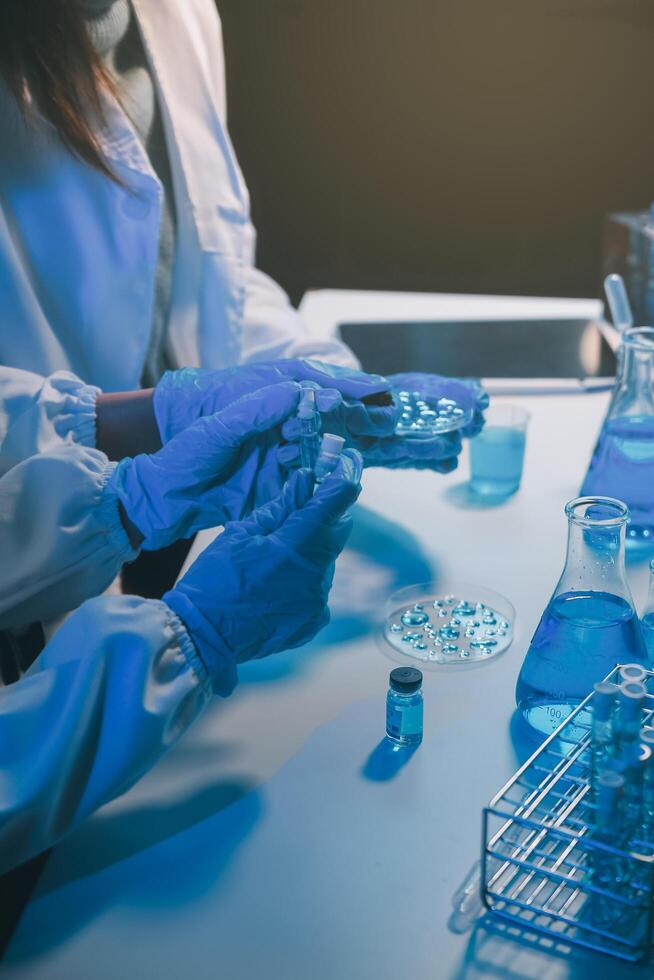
(112, 691)
(272, 328)
(61, 537)
(37, 413)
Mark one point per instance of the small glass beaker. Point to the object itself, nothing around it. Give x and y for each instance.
(622, 464)
(589, 624)
(497, 453)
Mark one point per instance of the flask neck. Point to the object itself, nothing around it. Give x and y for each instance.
(595, 557)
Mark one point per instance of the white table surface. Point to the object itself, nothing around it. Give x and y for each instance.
(260, 848)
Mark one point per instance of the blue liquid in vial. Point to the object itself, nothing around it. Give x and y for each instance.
(496, 458)
(622, 466)
(580, 638)
(404, 717)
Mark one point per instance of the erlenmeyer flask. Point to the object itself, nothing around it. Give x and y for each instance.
(622, 464)
(589, 624)
(648, 614)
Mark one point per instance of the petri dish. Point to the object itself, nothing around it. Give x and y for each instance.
(425, 418)
(455, 624)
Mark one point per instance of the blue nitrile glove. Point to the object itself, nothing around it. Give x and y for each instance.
(183, 396)
(262, 586)
(440, 453)
(385, 449)
(214, 471)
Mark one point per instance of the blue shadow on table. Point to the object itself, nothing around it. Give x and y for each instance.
(462, 495)
(219, 817)
(386, 760)
(380, 558)
(505, 950)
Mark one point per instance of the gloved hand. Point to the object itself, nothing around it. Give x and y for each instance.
(438, 453)
(183, 396)
(214, 471)
(441, 452)
(262, 585)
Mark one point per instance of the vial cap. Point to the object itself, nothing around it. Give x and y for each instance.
(332, 444)
(609, 779)
(604, 694)
(632, 696)
(647, 736)
(632, 672)
(405, 680)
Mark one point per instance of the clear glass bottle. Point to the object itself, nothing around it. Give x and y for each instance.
(404, 706)
(589, 624)
(622, 464)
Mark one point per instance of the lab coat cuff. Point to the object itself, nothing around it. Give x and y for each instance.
(109, 515)
(218, 660)
(187, 647)
(77, 412)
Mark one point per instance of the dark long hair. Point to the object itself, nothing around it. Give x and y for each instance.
(47, 60)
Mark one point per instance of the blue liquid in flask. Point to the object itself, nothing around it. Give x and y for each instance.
(622, 466)
(647, 624)
(580, 638)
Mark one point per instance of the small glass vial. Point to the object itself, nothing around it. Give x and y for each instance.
(606, 868)
(404, 706)
(309, 417)
(330, 451)
(629, 718)
(602, 737)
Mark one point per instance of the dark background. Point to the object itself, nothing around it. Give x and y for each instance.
(445, 145)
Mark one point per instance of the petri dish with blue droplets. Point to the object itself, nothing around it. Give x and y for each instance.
(455, 624)
(423, 418)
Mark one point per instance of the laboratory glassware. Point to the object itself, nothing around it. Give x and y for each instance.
(497, 453)
(622, 464)
(330, 451)
(450, 624)
(648, 613)
(542, 846)
(309, 417)
(616, 295)
(629, 250)
(588, 625)
(404, 706)
(602, 734)
(423, 418)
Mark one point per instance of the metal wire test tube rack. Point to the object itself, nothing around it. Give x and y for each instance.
(540, 858)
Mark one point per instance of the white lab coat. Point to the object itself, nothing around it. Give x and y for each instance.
(78, 252)
(119, 682)
(116, 687)
(61, 537)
